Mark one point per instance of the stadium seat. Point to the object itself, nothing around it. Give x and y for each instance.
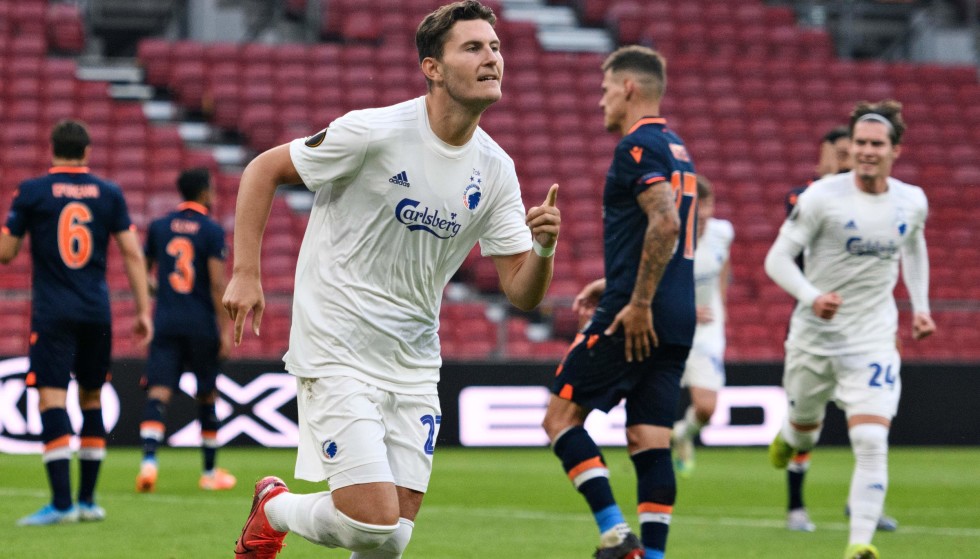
(65, 27)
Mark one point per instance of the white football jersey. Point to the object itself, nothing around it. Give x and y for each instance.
(396, 211)
(853, 242)
(712, 251)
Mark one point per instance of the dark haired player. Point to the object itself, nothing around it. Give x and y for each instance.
(70, 215)
(192, 331)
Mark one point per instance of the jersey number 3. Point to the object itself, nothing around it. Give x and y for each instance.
(182, 278)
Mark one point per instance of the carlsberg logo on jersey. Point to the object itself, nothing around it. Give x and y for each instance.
(425, 219)
(864, 247)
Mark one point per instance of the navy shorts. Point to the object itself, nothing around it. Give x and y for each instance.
(61, 348)
(595, 375)
(170, 356)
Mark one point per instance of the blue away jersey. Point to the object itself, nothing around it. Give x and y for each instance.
(70, 215)
(181, 243)
(648, 154)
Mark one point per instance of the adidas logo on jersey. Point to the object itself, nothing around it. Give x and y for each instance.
(851, 225)
(400, 179)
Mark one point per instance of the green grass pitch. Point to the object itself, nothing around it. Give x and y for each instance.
(505, 503)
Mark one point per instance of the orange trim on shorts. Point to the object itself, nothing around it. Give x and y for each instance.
(92, 442)
(33, 338)
(578, 339)
(209, 434)
(590, 464)
(60, 442)
(31, 379)
(654, 508)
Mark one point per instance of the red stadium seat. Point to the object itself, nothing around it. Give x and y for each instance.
(66, 28)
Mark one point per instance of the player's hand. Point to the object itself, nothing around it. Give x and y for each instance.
(922, 325)
(637, 323)
(143, 329)
(825, 306)
(587, 300)
(244, 295)
(703, 314)
(545, 220)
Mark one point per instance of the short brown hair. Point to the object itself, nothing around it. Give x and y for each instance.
(69, 138)
(430, 37)
(889, 109)
(642, 60)
(705, 189)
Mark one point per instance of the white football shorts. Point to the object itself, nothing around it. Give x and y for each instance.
(860, 384)
(351, 432)
(704, 371)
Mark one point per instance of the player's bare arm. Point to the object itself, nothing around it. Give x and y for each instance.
(135, 265)
(9, 247)
(525, 277)
(255, 193)
(663, 227)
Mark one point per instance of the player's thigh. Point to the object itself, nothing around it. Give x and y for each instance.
(655, 397)
(594, 373)
(412, 422)
(165, 362)
(810, 382)
(52, 355)
(870, 383)
(341, 432)
(704, 371)
(94, 357)
(201, 356)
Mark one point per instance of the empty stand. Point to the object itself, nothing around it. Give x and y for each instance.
(742, 92)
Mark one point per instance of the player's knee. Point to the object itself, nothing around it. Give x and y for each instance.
(704, 412)
(869, 440)
(394, 546)
(361, 536)
(802, 439)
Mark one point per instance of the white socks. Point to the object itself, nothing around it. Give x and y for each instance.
(801, 441)
(315, 518)
(869, 484)
(393, 546)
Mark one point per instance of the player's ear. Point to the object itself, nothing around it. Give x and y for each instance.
(629, 88)
(432, 69)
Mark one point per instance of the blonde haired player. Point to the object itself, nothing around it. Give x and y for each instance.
(854, 230)
(704, 373)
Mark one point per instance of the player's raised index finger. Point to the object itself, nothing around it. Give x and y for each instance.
(552, 196)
